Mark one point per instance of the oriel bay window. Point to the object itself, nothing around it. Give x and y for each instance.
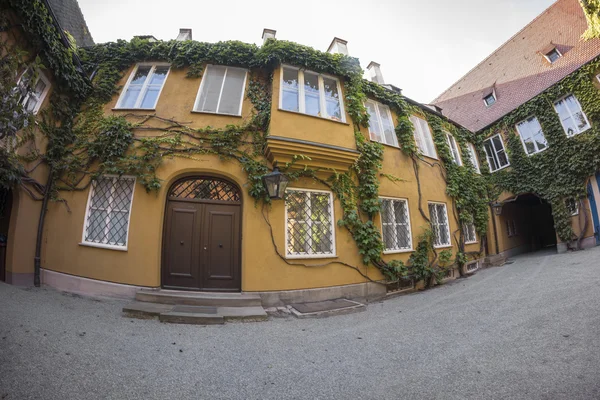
(381, 126)
(496, 155)
(221, 90)
(108, 211)
(571, 115)
(395, 225)
(309, 224)
(144, 86)
(311, 93)
(532, 136)
(438, 215)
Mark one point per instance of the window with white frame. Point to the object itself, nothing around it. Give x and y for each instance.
(454, 152)
(423, 137)
(35, 87)
(381, 126)
(108, 212)
(572, 206)
(469, 233)
(221, 90)
(532, 136)
(144, 86)
(571, 115)
(309, 223)
(473, 156)
(311, 93)
(496, 155)
(438, 216)
(395, 225)
(489, 99)
(553, 55)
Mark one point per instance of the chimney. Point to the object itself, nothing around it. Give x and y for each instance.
(338, 46)
(375, 72)
(184, 34)
(268, 34)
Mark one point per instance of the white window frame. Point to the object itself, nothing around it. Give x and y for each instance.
(42, 96)
(571, 114)
(144, 88)
(410, 238)
(441, 245)
(473, 156)
(537, 150)
(470, 270)
(495, 155)
(465, 226)
(492, 95)
(380, 122)
(302, 98)
(202, 83)
(87, 211)
(454, 147)
(557, 52)
(334, 247)
(423, 137)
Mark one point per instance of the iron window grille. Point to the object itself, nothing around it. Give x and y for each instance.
(472, 266)
(309, 224)
(439, 224)
(470, 233)
(395, 224)
(205, 189)
(108, 212)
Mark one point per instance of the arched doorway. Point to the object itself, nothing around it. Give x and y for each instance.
(202, 235)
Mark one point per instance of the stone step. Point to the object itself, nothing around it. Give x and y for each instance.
(243, 313)
(326, 308)
(139, 309)
(199, 298)
(200, 315)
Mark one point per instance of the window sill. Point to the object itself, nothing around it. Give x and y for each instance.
(398, 251)
(579, 133)
(215, 113)
(430, 157)
(314, 116)
(311, 257)
(537, 152)
(499, 169)
(475, 242)
(133, 109)
(103, 246)
(443, 246)
(393, 146)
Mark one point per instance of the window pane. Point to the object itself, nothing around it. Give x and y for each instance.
(489, 151)
(311, 94)
(389, 237)
(374, 127)
(232, 91)
(290, 90)
(309, 223)
(117, 228)
(159, 75)
(140, 75)
(40, 86)
(150, 98)
(502, 158)
(388, 125)
(101, 193)
(332, 99)
(211, 88)
(418, 133)
(96, 229)
(130, 97)
(386, 211)
(400, 212)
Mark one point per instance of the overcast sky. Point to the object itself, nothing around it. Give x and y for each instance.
(423, 46)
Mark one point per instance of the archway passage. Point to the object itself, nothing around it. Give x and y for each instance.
(5, 211)
(202, 235)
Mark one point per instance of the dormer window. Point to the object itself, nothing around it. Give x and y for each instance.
(489, 99)
(553, 55)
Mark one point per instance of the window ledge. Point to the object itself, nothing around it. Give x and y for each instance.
(579, 133)
(103, 246)
(444, 246)
(398, 251)
(499, 169)
(430, 157)
(310, 257)
(133, 109)
(314, 116)
(216, 113)
(475, 242)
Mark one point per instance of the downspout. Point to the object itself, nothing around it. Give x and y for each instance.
(40, 232)
(495, 230)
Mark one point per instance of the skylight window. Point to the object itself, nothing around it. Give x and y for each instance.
(489, 99)
(553, 55)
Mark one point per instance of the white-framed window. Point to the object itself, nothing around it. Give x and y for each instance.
(381, 125)
(309, 227)
(470, 233)
(221, 90)
(108, 212)
(311, 93)
(496, 155)
(33, 99)
(572, 206)
(489, 99)
(454, 151)
(423, 137)
(532, 136)
(438, 216)
(553, 55)
(473, 156)
(395, 225)
(572, 117)
(472, 266)
(144, 86)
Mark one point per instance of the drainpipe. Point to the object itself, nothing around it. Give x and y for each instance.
(40, 231)
(495, 230)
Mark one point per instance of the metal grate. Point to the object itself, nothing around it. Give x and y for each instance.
(309, 223)
(439, 224)
(470, 233)
(205, 189)
(108, 211)
(471, 267)
(395, 224)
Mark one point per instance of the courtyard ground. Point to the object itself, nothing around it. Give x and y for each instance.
(528, 330)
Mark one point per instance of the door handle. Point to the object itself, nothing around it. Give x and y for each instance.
(205, 248)
(181, 243)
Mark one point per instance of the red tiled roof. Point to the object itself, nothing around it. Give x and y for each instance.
(518, 70)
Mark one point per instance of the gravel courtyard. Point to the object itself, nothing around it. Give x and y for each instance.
(527, 330)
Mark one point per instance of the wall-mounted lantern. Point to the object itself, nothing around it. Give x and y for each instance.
(275, 183)
(497, 206)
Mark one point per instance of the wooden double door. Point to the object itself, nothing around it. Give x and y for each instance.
(202, 236)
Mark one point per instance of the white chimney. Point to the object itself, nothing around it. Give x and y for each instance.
(375, 72)
(268, 34)
(184, 34)
(338, 46)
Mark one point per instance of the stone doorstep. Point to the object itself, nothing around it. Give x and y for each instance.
(174, 297)
(200, 315)
(326, 308)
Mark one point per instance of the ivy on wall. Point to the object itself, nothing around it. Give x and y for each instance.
(591, 9)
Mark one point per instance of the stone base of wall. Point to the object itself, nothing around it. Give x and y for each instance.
(25, 279)
(86, 286)
(586, 243)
